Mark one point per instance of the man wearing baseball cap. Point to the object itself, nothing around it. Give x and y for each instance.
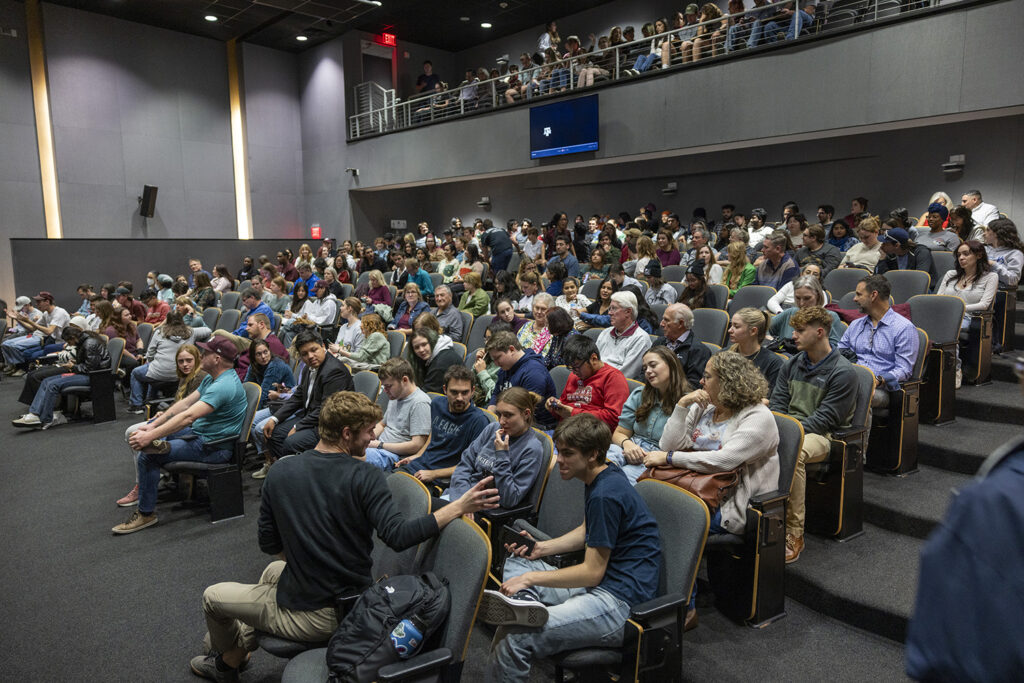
(901, 253)
(48, 327)
(195, 428)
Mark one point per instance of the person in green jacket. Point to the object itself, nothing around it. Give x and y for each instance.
(375, 348)
(474, 300)
(740, 272)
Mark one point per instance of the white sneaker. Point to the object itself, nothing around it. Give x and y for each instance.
(28, 420)
(58, 419)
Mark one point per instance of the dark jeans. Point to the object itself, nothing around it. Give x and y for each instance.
(302, 440)
(34, 380)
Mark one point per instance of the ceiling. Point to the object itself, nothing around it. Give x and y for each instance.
(276, 23)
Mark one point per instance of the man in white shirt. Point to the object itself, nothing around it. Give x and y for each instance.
(982, 213)
(18, 350)
(759, 228)
(624, 343)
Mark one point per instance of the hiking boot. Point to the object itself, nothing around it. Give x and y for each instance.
(28, 421)
(522, 609)
(137, 522)
(794, 546)
(206, 667)
(131, 498)
(261, 473)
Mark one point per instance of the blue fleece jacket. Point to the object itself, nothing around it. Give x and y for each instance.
(514, 470)
(530, 373)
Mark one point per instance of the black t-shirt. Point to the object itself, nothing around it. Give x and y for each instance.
(428, 82)
(497, 240)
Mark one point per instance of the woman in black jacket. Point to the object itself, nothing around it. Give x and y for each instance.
(90, 355)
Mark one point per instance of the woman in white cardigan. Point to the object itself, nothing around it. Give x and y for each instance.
(974, 281)
(723, 426)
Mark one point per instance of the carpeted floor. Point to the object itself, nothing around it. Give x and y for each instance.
(82, 604)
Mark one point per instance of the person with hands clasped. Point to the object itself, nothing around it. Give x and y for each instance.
(586, 604)
(508, 450)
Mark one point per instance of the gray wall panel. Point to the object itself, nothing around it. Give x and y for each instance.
(19, 160)
(993, 55)
(209, 215)
(208, 167)
(278, 213)
(93, 159)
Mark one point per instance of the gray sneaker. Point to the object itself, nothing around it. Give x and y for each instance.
(522, 609)
(205, 666)
(58, 419)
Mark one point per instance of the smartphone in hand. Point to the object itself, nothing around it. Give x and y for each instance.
(511, 536)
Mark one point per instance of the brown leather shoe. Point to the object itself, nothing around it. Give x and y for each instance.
(691, 620)
(794, 546)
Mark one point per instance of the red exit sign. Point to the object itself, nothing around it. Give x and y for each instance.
(388, 39)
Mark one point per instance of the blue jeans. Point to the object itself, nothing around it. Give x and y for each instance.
(577, 617)
(40, 351)
(381, 459)
(14, 349)
(185, 445)
(139, 378)
(48, 394)
(773, 28)
(644, 62)
(739, 36)
(500, 260)
(616, 456)
(559, 78)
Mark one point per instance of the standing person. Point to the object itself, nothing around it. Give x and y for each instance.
(194, 428)
(321, 511)
(428, 80)
(498, 247)
(588, 604)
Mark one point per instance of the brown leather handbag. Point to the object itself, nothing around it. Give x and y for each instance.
(711, 488)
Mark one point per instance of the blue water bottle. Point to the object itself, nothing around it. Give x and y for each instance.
(407, 637)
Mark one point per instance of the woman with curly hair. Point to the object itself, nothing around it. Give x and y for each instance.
(1005, 251)
(725, 426)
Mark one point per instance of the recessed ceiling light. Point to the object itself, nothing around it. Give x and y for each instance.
(210, 17)
(486, 24)
(463, 18)
(301, 39)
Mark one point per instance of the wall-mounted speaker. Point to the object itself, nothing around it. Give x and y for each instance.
(148, 204)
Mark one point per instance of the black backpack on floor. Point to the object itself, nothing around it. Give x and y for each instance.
(380, 627)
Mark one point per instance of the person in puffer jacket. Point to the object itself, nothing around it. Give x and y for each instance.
(90, 355)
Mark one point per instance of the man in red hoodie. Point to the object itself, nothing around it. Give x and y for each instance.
(594, 387)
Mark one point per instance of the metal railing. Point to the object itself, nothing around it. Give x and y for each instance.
(743, 31)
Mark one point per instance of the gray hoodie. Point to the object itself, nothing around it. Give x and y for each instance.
(163, 351)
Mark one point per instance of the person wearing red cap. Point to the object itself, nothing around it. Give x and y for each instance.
(194, 428)
(53, 322)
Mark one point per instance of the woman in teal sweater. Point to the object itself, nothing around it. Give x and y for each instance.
(474, 300)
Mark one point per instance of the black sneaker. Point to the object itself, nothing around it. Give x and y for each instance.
(135, 410)
(522, 609)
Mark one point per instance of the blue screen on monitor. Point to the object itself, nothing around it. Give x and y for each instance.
(564, 127)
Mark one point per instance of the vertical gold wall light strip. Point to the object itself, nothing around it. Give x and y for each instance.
(44, 129)
(239, 150)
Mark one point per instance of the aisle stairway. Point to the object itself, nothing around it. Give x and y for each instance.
(870, 582)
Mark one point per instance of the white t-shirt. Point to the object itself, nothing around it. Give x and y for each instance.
(57, 316)
(533, 249)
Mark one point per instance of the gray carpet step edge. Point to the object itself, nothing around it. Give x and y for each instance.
(961, 446)
(912, 505)
(999, 402)
(868, 582)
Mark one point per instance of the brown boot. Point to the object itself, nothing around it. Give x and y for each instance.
(794, 546)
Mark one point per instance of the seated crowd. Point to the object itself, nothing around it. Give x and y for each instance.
(619, 377)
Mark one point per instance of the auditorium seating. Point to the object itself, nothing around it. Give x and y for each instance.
(939, 316)
(892, 445)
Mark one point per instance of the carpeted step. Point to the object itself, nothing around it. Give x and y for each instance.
(911, 505)
(994, 402)
(962, 445)
(1002, 367)
(868, 583)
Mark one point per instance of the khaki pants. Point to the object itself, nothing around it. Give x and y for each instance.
(241, 343)
(815, 449)
(235, 610)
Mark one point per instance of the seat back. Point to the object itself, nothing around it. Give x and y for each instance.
(591, 288)
(561, 508)
(364, 278)
(467, 325)
(253, 392)
(865, 389)
(658, 310)
(755, 296)
(683, 521)
(474, 335)
(713, 348)
(594, 332)
(397, 341)
(228, 320)
(717, 296)
(230, 300)
(382, 401)
(412, 499)
(673, 273)
(942, 263)
(461, 349)
(210, 317)
(908, 283)
(366, 383)
(560, 375)
(939, 315)
(846, 302)
(115, 349)
(436, 279)
(145, 331)
(791, 440)
(634, 384)
(841, 281)
(710, 325)
(462, 555)
(346, 290)
(536, 493)
(680, 287)
(513, 263)
(275, 323)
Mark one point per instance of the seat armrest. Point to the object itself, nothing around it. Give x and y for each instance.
(764, 499)
(531, 529)
(503, 515)
(848, 434)
(416, 667)
(658, 606)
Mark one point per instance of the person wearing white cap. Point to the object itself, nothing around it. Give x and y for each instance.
(623, 344)
(17, 350)
(25, 307)
(90, 355)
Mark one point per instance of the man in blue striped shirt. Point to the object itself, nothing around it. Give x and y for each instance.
(883, 339)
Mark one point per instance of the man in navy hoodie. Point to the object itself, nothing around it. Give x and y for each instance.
(519, 368)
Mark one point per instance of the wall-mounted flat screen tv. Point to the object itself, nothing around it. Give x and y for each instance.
(564, 127)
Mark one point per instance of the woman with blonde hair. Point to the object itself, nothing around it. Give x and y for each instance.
(866, 253)
(646, 250)
(474, 300)
(740, 272)
(377, 291)
(725, 426)
(412, 305)
(747, 331)
(305, 257)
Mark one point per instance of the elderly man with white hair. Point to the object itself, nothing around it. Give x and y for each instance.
(448, 315)
(624, 343)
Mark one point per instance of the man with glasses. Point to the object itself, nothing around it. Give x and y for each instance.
(883, 339)
(624, 344)
(825, 214)
(594, 387)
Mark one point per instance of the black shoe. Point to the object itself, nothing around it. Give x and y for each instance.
(135, 410)
(206, 667)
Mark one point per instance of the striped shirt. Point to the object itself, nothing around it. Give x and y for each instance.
(889, 348)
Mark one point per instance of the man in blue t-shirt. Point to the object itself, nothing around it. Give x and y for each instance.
(587, 604)
(454, 423)
(564, 256)
(194, 428)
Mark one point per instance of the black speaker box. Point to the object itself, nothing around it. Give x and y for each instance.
(148, 201)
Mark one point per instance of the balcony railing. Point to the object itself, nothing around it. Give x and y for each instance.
(745, 31)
